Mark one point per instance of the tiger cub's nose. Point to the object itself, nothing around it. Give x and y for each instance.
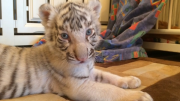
(81, 52)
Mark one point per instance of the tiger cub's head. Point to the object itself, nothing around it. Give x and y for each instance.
(72, 28)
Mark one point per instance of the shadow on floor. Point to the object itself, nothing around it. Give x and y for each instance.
(172, 56)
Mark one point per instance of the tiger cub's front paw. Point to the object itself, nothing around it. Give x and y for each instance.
(129, 82)
(137, 96)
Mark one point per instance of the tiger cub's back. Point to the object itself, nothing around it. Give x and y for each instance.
(19, 72)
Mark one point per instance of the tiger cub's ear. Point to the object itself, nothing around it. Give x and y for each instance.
(46, 12)
(95, 5)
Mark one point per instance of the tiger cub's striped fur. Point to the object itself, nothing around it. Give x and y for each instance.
(64, 65)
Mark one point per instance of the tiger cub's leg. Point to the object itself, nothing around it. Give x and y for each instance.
(95, 91)
(123, 82)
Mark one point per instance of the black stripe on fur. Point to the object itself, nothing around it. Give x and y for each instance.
(28, 74)
(2, 92)
(80, 77)
(14, 91)
(24, 88)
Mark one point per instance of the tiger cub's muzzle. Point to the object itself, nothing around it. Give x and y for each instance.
(80, 53)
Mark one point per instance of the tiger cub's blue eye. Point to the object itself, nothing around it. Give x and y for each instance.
(64, 36)
(89, 32)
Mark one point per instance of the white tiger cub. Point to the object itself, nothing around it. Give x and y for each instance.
(64, 65)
